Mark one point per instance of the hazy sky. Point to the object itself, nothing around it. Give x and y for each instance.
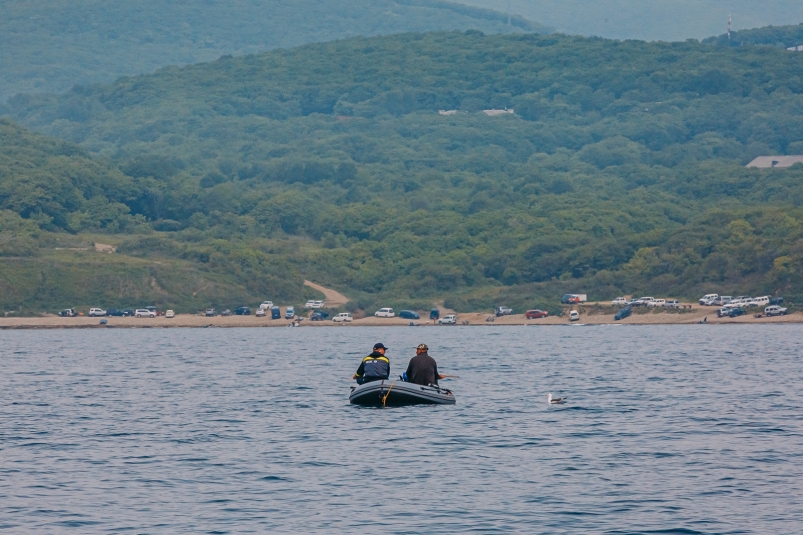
(669, 20)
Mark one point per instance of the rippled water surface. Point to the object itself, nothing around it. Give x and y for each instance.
(669, 429)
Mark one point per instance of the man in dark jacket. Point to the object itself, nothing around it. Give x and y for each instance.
(374, 367)
(422, 369)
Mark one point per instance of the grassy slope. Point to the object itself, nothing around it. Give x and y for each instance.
(51, 45)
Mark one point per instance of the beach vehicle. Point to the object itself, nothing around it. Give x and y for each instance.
(242, 311)
(574, 315)
(776, 301)
(144, 313)
(309, 304)
(708, 299)
(319, 315)
(535, 314)
(409, 315)
(128, 312)
(275, 313)
(317, 304)
(399, 393)
(290, 313)
(115, 312)
(722, 300)
(260, 313)
(762, 301)
(226, 312)
(93, 312)
(67, 313)
(449, 319)
(736, 312)
(775, 310)
(643, 301)
(503, 311)
(266, 305)
(723, 311)
(170, 314)
(434, 314)
(343, 317)
(619, 301)
(384, 313)
(211, 312)
(154, 310)
(656, 303)
(672, 303)
(623, 313)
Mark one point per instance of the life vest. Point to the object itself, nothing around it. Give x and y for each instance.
(375, 365)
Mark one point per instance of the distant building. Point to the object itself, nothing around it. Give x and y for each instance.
(447, 112)
(798, 48)
(494, 113)
(769, 162)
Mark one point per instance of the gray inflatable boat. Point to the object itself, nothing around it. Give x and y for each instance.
(398, 393)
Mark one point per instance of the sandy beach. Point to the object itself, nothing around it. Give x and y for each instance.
(589, 315)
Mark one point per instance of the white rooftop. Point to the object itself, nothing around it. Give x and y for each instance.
(768, 162)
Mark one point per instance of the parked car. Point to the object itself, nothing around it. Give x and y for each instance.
(762, 301)
(708, 299)
(275, 313)
(656, 303)
(154, 310)
(128, 313)
(384, 313)
(310, 304)
(574, 315)
(776, 301)
(343, 317)
(243, 311)
(260, 313)
(775, 310)
(317, 304)
(723, 311)
(290, 313)
(434, 314)
(211, 312)
(96, 312)
(619, 301)
(319, 315)
(535, 314)
(622, 314)
(266, 305)
(144, 313)
(115, 312)
(722, 300)
(226, 312)
(409, 315)
(672, 303)
(449, 319)
(735, 312)
(68, 313)
(643, 301)
(632, 302)
(170, 314)
(565, 299)
(503, 311)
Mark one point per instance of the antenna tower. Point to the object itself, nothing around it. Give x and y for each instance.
(729, 27)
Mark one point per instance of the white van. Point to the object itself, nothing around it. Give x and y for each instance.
(574, 315)
(656, 303)
(343, 317)
(762, 301)
(619, 301)
(384, 313)
(708, 299)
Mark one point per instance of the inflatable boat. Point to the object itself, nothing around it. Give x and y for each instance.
(398, 393)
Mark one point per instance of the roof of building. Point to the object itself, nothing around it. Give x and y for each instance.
(768, 162)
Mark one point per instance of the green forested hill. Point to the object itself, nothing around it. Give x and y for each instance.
(51, 45)
(621, 170)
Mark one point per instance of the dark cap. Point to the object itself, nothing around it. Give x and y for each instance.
(380, 345)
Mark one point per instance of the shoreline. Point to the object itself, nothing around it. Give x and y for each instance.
(696, 315)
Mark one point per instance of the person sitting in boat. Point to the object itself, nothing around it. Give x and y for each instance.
(423, 370)
(374, 367)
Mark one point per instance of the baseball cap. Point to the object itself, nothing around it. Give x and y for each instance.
(380, 345)
(423, 346)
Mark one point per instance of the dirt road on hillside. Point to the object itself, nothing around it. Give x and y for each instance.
(333, 298)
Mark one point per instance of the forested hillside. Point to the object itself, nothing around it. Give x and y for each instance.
(51, 45)
(652, 20)
(780, 37)
(56, 202)
(621, 170)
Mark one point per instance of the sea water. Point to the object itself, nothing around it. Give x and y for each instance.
(667, 429)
